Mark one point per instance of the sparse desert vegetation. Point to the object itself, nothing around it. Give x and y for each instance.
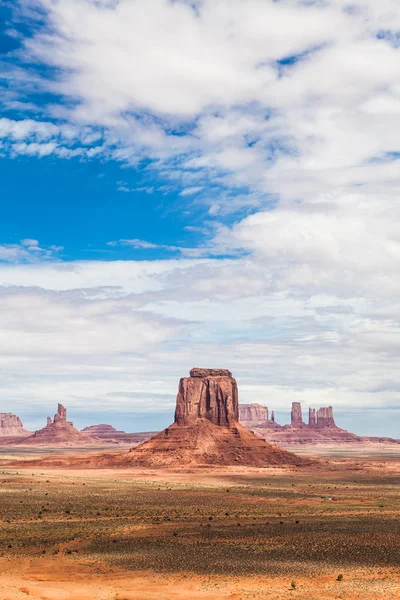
(200, 533)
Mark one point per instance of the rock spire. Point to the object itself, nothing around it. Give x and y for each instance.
(296, 415)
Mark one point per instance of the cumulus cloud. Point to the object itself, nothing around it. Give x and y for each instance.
(285, 97)
(282, 114)
(79, 332)
(28, 251)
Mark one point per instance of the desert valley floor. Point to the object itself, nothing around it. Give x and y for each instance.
(201, 533)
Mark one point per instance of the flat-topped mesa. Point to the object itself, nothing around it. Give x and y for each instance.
(208, 394)
(296, 415)
(196, 372)
(9, 420)
(325, 417)
(11, 425)
(253, 414)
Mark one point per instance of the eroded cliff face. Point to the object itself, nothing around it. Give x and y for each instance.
(325, 417)
(206, 429)
(207, 394)
(11, 425)
(253, 414)
(296, 415)
(61, 414)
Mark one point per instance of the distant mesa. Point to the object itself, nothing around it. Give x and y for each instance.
(59, 431)
(109, 435)
(102, 429)
(206, 429)
(11, 426)
(320, 429)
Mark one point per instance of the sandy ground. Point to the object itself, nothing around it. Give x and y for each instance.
(68, 555)
(51, 580)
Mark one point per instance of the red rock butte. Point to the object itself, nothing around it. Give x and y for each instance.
(11, 426)
(59, 431)
(206, 429)
(320, 429)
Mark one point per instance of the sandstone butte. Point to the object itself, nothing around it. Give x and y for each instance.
(59, 432)
(320, 429)
(11, 426)
(206, 429)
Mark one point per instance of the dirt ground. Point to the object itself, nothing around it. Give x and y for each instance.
(203, 533)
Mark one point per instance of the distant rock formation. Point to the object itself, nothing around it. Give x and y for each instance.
(58, 432)
(253, 413)
(296, 415)
(206, 428)
(11, 426)
(109, 435)
(102, 429)
(325, 417)
(321, 428)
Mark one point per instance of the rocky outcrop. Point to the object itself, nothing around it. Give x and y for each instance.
(296, 415)
(253, 414)
(207, 394)
(60, 432)
(11, 425)
(202, 373)
(321, 430)
(61, 414)
(325, 417)
(206, 429)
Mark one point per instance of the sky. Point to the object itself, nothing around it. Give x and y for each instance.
(205, 183)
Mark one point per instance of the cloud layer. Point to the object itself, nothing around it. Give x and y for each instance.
(282, 118)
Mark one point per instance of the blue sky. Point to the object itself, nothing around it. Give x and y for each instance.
(81, 206)
(185, 184)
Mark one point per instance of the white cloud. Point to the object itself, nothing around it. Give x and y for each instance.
(292, 109)
(91, 329)
(28, 251)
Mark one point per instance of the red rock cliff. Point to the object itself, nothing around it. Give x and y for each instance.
(296, 415)
(325, 417)
(210, 394)
(253, 414)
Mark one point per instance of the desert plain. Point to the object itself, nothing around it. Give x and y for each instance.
(328, 530)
